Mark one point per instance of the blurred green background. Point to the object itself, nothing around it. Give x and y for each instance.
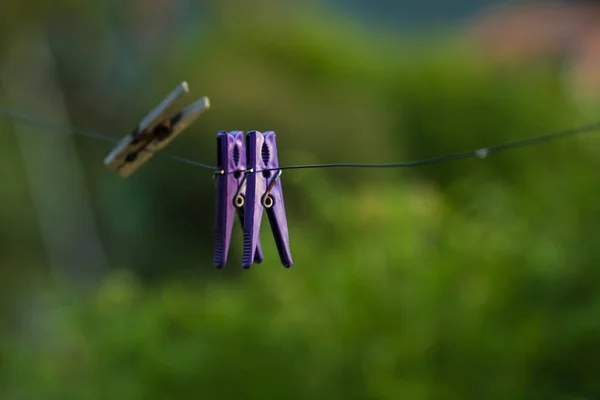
(475, 279)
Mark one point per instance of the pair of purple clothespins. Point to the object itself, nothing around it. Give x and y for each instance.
(248, 183)
(248, 178)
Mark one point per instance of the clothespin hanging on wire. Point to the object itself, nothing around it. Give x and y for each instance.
(264, 192)
(231, 192)
(154, 132)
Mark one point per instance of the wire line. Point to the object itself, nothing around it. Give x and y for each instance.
(477, 153)
(29, 120)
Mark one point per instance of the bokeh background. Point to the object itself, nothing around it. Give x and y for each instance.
(476, 279)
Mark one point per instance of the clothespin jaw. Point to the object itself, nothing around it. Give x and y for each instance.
(154, 132)
(231, 193)
(264, 191)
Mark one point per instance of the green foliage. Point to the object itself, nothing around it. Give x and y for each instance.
(405, 299)
(471, 280)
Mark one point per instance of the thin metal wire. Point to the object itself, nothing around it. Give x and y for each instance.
(32, 121)
(478, 153)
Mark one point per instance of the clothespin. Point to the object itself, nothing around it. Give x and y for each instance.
(154, 132)
(263, 191)
(231, 193)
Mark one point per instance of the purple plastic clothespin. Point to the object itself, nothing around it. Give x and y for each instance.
(263, 191)
(231, 192)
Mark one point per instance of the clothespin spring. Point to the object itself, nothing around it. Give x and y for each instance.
(267, 199)
(216, 174)
(238, 199)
